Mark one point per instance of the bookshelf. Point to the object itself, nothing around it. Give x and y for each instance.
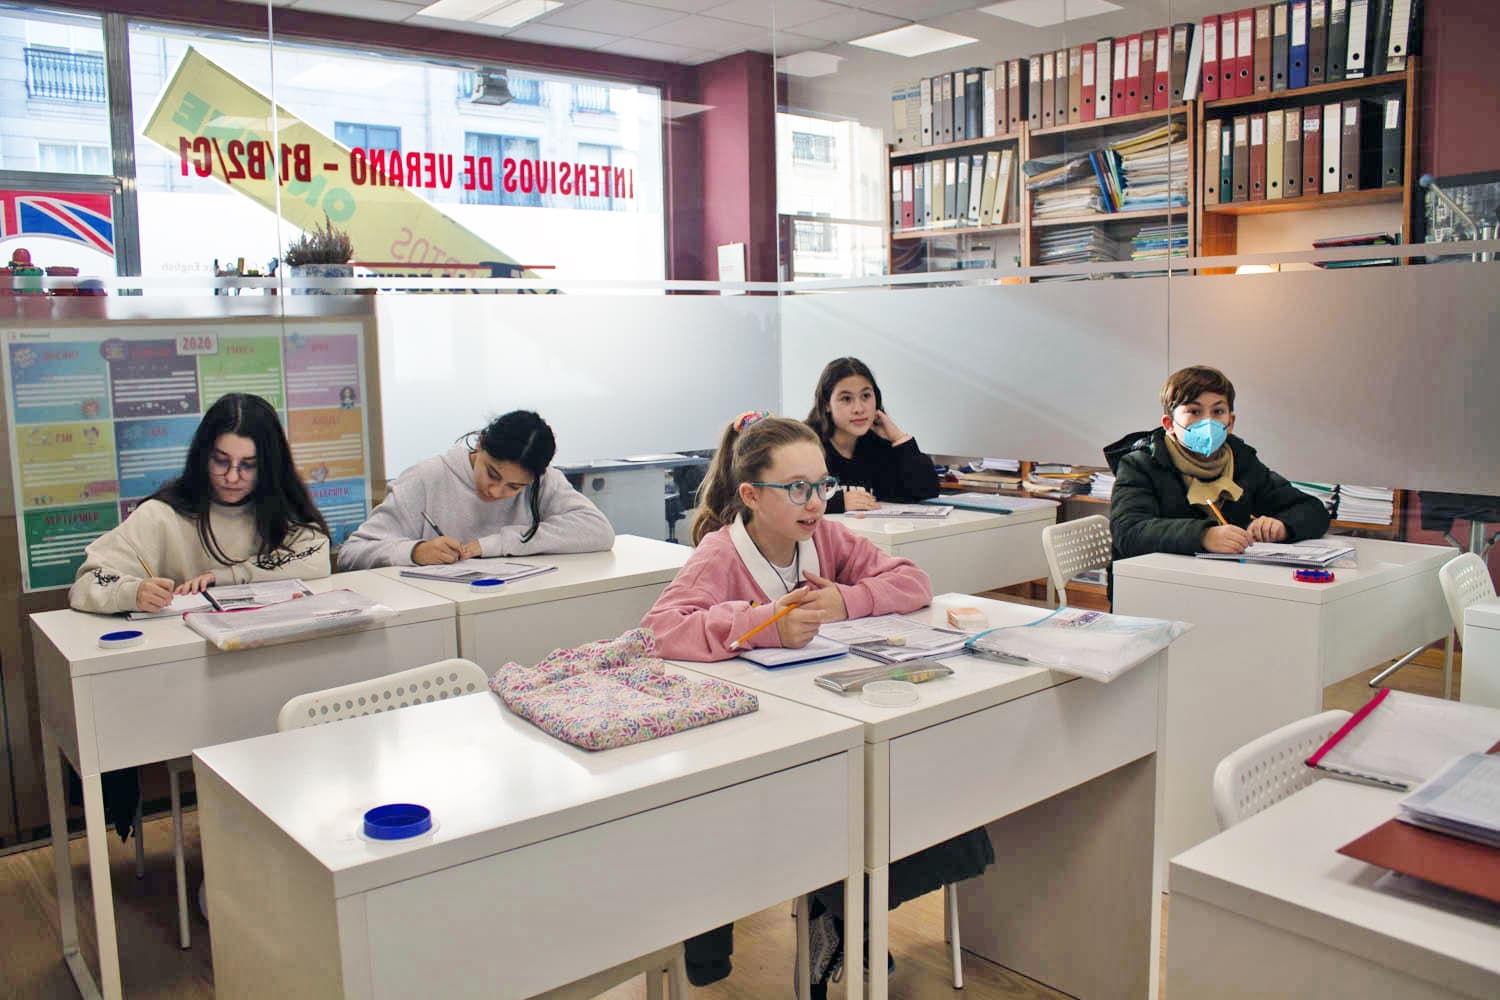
(969, 238)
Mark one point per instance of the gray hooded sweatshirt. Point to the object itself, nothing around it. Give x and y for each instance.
(443, 486)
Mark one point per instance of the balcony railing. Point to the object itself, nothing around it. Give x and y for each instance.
(523, 90)
(54, 75)
(587, 97)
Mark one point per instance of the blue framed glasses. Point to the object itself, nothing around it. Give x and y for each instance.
(802, 491)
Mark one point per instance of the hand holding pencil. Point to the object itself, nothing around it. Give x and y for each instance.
(1225, 537)
(796, 625)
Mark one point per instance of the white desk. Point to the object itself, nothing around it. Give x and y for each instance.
(1069, 900)
(967, 552)
(591, 595)
(1263, 648)
(158, 701)
(546, 863)
(1481, 673)
(1269, 909)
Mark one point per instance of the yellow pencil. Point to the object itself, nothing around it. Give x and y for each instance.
(149, 574)
(769, 621)
(1215, 508)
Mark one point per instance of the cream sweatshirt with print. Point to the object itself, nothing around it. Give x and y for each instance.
(169, 543)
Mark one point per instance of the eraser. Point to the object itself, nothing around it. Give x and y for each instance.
(895, 640)
(967, 618)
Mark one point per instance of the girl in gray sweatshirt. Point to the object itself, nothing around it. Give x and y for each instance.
(496, 497)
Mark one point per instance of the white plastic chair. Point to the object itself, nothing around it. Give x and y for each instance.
(457, 678)
(1267, 770)
(1465, 580)
(1073, 547)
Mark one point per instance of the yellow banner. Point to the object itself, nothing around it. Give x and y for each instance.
(218, 127)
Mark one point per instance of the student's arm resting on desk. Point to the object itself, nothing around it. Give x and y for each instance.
(870, 581)
(692, 621)
(391, 531)
(1304, 515)
(908, 474)
(111, 571)
(570, 523)
(1135, 518)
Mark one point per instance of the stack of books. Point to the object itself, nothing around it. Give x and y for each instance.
(1153, 168)
(1158, 241)
(1366, 504)
(1361, 240)
(1101, 485)
(1085, 244)
(1327, 493)
(1057, 481)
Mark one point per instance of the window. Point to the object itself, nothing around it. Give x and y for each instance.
(500, 148)
(814, 237)
(358, 136)
(591, 97)
(73, 158)
(58, 75)
(810, 148)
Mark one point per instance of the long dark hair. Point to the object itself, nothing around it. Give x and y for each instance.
(280, 500)
(820, 419)
(746, 449)
(523, 437)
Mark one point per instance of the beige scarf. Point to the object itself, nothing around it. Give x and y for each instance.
(1207, 479)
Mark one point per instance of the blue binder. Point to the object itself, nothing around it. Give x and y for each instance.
(1297, 64)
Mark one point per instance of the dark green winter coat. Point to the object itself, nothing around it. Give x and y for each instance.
(1149, 510)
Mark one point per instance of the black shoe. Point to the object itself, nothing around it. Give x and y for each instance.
(704, 973)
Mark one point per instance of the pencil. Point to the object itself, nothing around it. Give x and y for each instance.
(149, 575)
(439, 531)
(736, 644)
(1215, 508)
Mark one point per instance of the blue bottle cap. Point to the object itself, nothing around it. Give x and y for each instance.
(123, 639)
(397, 821)
(486, 584)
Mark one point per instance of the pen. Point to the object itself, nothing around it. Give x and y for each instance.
(736, 644)
(1215, 508)
(439, 531)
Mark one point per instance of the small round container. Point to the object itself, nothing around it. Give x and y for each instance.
(397, 821)
(889, 694)
(123, 639)
(486, 585)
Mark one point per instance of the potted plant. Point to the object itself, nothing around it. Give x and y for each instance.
(321, 252)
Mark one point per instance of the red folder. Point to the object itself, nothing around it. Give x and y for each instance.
(1133, 74)
(1210, 29)
(1120, 65)
(1431, 856)
(1244, 58)
(1086, 109)
(1163, 95)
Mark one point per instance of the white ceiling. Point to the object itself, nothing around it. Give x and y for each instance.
(698, 31)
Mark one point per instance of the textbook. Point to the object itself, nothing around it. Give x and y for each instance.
(468, 570)
(1399, 740)
(1315, 554)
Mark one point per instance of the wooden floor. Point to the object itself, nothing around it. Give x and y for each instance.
(153, 966)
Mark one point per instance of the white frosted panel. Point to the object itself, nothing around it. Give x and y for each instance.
(1053, 370)
(1386, 376)
(614, 376)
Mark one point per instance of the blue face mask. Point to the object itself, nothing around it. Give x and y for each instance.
(1205, 437)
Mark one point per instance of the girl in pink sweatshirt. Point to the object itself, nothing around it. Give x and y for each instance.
(763, 544)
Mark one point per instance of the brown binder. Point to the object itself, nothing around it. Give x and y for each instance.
(1182, 43)
(1312, 149)
(1292, 171)
(1075, 84)
(1242, 158)
(1034, 93)
(1212, 131)
(1047, 92)
(1262, 56)
(1317, 40)
(1015, 94)
(1060, 88)
(1002, 99)
(1359, 153)
(1148, 70)
(1258, 156)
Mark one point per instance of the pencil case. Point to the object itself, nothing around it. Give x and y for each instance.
(915, 671)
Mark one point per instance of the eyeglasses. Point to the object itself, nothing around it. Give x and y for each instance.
(802, 491)
(221, 466)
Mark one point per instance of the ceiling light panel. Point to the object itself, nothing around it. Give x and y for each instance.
(1045, 13)
(913, 40)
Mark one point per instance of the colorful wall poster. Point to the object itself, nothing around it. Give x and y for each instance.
(98, 425)
(53, 540)
(242, 364)
(149, 378)
(54, 382)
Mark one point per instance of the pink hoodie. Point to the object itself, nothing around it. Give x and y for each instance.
(727, 588)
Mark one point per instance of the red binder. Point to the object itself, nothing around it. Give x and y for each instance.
(1148, 70)
(1258, 156)
(1210, 29)
(1120, 65)
(1244, 57)
(1163, 95)
(1086, 109)
(1228, 54)
(1133, 74)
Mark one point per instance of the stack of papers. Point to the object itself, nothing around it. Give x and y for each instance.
(1085, 244)
(998, 464)
(1366, 504)
(1463, 800)
(922, 510)
(991, 502)
(1315, 554)
(1102, 485)
(1327, 493)
(1158, 241)
(894, 638)
(231, 597)
(467, 570)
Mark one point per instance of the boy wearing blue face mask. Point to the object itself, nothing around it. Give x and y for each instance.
(1168, 482)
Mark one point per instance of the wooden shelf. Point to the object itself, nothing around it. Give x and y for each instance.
(923, 234)
(918, 152)
(1282, 96)
(1099, 123)
(1103, 217)
(1368, 196)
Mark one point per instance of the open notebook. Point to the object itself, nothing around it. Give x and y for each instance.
(1399, 740)
(468, 570)
(1315, 554)
(230, 597)
(820, 648)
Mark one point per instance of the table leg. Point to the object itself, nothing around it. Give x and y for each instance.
(95, 833)
(803, 971)
(183, 933)
(1448, 667)
(57, 816)
(879, 880)
(854, 889)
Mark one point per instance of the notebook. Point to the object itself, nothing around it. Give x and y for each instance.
(895, 638)
(181, 605)
(1315, 554)
(1462, 800)
(906, 510)
(991, 502)
(771, 657)
(467, 570)
(1399, 740)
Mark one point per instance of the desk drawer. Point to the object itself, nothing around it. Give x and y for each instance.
(528, 920)
(961, 774)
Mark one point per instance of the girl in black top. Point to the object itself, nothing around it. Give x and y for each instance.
(873, 458)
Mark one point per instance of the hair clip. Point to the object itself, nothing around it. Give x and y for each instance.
(749, 419)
